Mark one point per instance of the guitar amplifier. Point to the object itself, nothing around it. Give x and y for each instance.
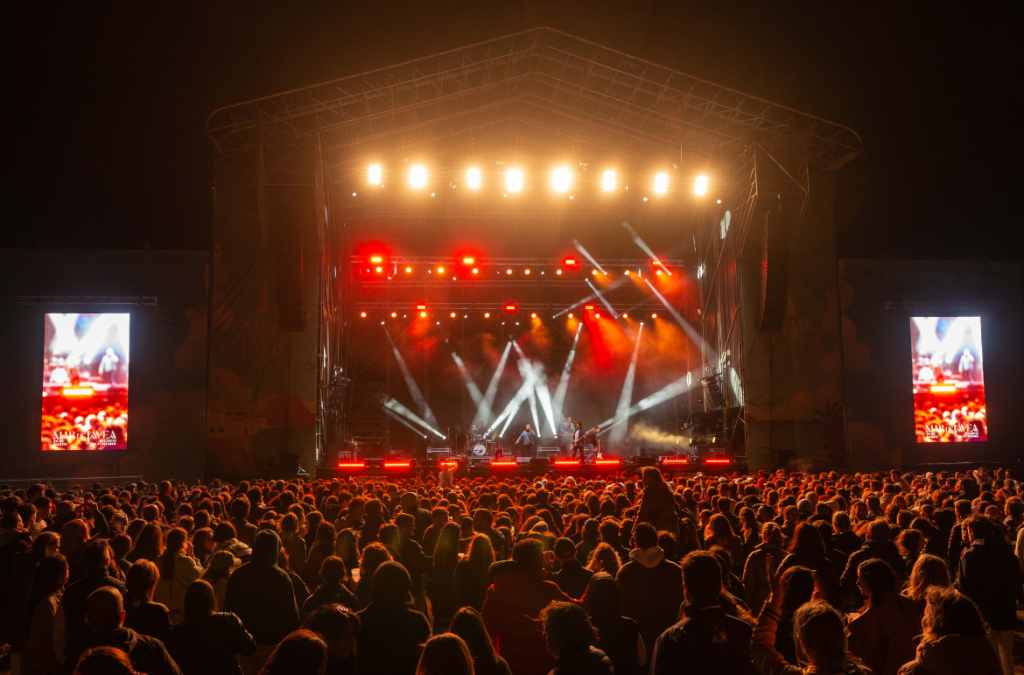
(548, 453)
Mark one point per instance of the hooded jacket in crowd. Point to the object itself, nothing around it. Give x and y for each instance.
(651, 588)
(147, 654)
(260, 593)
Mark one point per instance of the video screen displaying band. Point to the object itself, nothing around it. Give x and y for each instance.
(85, 382)
(949, 382)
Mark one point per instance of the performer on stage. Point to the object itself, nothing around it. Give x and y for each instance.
(592, 444)
(529, 440)
(565, 435)
(577, 440)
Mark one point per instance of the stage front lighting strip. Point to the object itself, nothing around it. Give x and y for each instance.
(711, 460)
(503, 463)
(567, 462)
(607, 462)
(674, 461)
(352, 465)
(397, 465)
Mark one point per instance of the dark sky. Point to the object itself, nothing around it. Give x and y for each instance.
(105, 144)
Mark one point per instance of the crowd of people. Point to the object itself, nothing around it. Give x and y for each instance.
(774, 574)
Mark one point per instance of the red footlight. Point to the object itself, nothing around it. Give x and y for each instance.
(503, 463)
(78, 392)
(717, 460)
(397, 464)
(674, 461)
(567, 462)
(448, 464)
(606, 462)
(939, 388)
(352, 465)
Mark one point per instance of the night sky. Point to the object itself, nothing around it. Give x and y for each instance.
(105, 145)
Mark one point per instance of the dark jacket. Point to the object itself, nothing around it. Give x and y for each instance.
(334, 594)
(510, 611)
(149, 618)
(707, 641)
(209, 646)
(392, 633)
(651, 589)
(260, 593)
(883, 550)
(414, 561)
(572, 579)
(658, 507)
(954, 655)
(147, 654)
(990, 575)
(617, 635)
(471, 585)
(74, 599)
(883, 636)
(591, 662)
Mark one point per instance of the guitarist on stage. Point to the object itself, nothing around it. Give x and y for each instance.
(577, 439)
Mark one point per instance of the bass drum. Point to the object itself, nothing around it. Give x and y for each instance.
(479, 450)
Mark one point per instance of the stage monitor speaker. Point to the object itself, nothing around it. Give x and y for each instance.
(290, 207)
(438, 453)
(774, 271)
(549, 452)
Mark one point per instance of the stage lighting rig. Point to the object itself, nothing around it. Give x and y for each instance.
(514, 180)
(700, 186)
(561, 178)
(418, 177)
(661, 183)
(473, 178)
(374, 174)
(608, 181)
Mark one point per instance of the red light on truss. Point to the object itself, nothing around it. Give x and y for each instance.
(503, 463)
(395, 464)
(571, 262)
(674, 461)
(376, 259)
(468, 261)
(942, 388)
(421, 307)
(351, 465)
(567, 462)
(78, 392)
(588, 307)
(510, 308)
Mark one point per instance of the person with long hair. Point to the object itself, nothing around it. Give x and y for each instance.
(221, 565)
(910, 544)
(347, 548)
(808, 550)
(73, 538)
(203, 545)
(797, 590)
(719, 532)
(440, 585)
(468, 624)
(374, 555)
(293, 544)
(104, 661)
(148, 545)
(321, 549)
(178, 569)
(445, 654)
(38, 656)
(756, 586)
(928, 571)
(472, 573)
(302, 652)
(605, 559)
(618, 636)
(954, 639)
(882, 635)
(141, 614)
(570, 639)
(339, 627)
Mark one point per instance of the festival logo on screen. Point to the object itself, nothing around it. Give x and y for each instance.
(85, 382)
(949, 384)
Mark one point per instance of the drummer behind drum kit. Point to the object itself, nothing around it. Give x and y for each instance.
(480, 446)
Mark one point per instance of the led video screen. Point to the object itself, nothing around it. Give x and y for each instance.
(949, 382)
(85, 381)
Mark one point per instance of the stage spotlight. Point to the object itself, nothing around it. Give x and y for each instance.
(473, 178)
(625, 316)
(408, 270)
(423, 315)
(508, 271)
(514, 180)
(627, 273)
(701, 186)
(362, 314)
(374, 174)
(571, 262)
(468, 261)
(487, 315)
(475, 270)
(417, 176)
(658, 272)
(594, 272)
(394, 315)
(510, 307)
(379, 270)
(608, 182)
(376, 259)
(654, 315)
(534, 315)
(661, 183)
(570, 315)
(597, 315)
(453, 315)
(526, 271)
(560, 179)
(558, 272)
(440, 270)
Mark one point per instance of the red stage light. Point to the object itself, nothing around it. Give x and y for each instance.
(942, 388)
(588, 307)
(475, 270)
(395, 464)
(567, 462)
(362, 314)
(351, 465)
(421, 306)
(503, 463)
(468, 261)
(674, 461)
(376, 259)
(606, 462)
(717, 460)
(78, 392)
(510, 308)
(448, 464)
(571, 262)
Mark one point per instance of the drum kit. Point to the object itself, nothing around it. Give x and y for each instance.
(480, 445)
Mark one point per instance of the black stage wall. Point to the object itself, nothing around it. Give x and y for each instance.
(167, 364)
(879, 297)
